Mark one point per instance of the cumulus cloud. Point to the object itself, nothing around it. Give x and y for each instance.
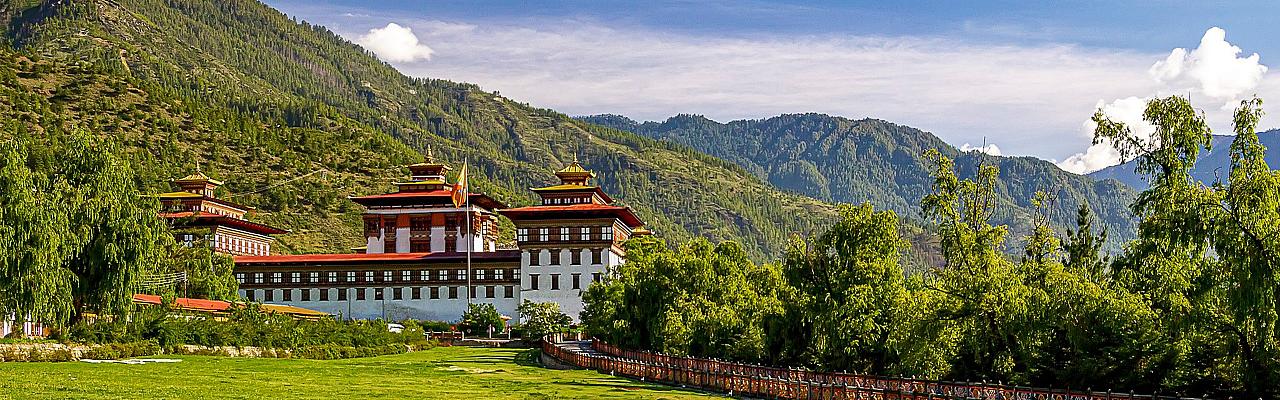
(961, 91)
(1127, 110)
(989, 149)
(1214, 74)
(395, 43)
(1214, 68)
(1030, 97)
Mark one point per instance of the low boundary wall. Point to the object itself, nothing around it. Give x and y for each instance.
(758, 381)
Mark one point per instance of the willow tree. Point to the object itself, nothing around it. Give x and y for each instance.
(75, 233)
(967, 317)
(1246, 240)
(1206, 256)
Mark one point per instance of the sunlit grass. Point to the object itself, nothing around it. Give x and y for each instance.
(446, 372)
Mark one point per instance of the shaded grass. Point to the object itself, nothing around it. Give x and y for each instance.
(446, 372)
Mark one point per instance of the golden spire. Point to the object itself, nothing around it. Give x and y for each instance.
(575, 174)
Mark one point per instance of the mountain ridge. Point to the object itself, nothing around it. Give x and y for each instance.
(261, 101)
(839, 159)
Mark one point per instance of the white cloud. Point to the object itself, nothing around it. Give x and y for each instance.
(395, 43)
(1214, 68)
(989, 149)
(1127, 110)
(1213, 74)
(1031, 98)
(962, 91)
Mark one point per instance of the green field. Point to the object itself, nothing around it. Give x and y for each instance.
(440, 373)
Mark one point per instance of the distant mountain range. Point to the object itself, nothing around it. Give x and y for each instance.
(853, 161)
(1213, 164)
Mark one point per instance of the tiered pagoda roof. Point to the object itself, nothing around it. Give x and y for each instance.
(187, 205)
(211, 219)
(427, 186)
(574, 197)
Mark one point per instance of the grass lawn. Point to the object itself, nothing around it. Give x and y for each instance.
(440, 373)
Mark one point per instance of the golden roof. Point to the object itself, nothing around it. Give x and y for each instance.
(179, 195)
(430, 161)
(198, 177)
(422, 182)
(576, 169)
(567, 186)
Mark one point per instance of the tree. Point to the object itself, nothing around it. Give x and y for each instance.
(75, 232)
(541, 319)
(849, 291)
(1083, 248)
(1246, 240)
(700, 299)
(1206, 257)
(481, 317)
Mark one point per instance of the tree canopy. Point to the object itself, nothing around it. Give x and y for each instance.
(1189, 307)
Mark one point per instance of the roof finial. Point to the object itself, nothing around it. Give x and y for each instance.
(431, 157)
(197, 166)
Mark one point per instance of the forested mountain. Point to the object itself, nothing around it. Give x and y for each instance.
(1213, 165)
(841, 160)
(295, 118)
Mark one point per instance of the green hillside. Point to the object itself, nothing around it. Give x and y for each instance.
(841, 160)
(295, 119)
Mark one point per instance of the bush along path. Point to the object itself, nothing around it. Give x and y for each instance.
(245, 332)
(756, 381)
(58, 352)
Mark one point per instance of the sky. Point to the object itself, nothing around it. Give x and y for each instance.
(1023, 77)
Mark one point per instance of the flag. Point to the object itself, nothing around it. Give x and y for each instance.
(459, 190)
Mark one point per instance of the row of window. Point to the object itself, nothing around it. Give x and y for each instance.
(575, 257)
(535, 283)
(420, 224)
(240, 246)
(372, 276)
(564, 234)
(566, 200)
(399, 293)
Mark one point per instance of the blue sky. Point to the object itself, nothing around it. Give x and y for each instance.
(1024, 76)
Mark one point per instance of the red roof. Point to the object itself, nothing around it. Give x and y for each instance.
(185, 303)
(574, 210)
(442, 196)
(213, 306)
(205, 218)
(357, 258)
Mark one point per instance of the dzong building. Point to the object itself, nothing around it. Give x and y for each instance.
(418, 240)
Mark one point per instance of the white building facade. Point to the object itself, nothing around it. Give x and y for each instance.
(414, 264)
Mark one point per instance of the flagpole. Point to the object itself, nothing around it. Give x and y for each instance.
(466, 191)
